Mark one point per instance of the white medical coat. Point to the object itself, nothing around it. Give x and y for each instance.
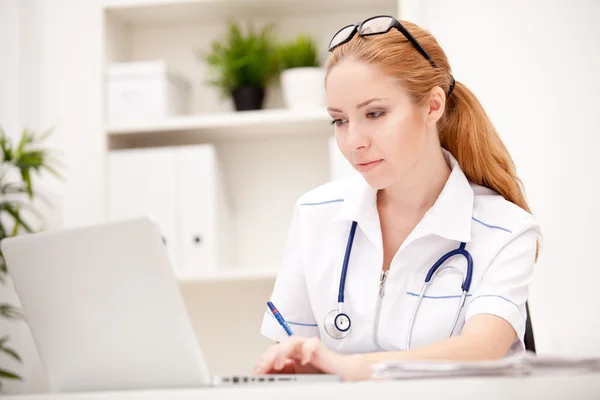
(500, 236)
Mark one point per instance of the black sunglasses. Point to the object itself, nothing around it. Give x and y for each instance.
(376, 26)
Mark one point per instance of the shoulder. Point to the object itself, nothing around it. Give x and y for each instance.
(317, 208)
(493, 213)
(330, 193)
(336, 190)
(506, 238)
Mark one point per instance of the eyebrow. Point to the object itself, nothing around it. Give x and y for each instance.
(360, 105)
(366, 103)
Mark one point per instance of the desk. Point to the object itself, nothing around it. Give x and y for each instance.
(586, 386)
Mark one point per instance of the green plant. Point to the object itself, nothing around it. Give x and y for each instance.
(17, 213)
(301, 52)
(243, 59)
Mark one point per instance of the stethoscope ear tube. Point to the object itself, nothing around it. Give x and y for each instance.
(469, 276)
(345, 263)
(431, 274)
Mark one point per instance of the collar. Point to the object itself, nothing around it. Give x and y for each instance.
(449, 217)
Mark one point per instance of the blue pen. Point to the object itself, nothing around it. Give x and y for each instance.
(280, 319)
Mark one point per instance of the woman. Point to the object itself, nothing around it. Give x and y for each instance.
(435, 179)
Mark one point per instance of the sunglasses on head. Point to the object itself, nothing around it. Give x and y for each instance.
(376, 26)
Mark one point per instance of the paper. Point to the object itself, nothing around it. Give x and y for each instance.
(522, 364)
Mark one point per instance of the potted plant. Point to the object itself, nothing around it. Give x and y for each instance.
(17, 215)
(302, 78)
(244, 64)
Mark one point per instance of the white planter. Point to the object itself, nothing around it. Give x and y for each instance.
(303, 87)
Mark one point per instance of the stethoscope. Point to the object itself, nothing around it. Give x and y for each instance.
(338, 324)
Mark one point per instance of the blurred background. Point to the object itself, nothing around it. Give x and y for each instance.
(149, 115)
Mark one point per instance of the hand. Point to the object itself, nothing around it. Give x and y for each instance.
(308, 355)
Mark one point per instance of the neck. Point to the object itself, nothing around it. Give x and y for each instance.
(419, 189)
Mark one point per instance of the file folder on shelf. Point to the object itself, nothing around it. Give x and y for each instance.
(182, 189)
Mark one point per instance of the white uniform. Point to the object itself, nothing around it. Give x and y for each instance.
(500, 236)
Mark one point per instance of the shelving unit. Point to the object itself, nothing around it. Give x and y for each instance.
(164, 12)
(268, 157)
(233, 123)
(273, 123)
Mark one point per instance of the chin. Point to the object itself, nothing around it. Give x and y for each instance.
(377, 181)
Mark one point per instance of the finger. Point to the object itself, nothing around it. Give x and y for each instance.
(269, 358)
(290, 349)
(309, 348)
(322, 358)
(289, 367)
(266, 360)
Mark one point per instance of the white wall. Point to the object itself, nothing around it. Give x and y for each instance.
(71, 87)
(14, 115)
(9, 65)
(534, 65)
(50, 75)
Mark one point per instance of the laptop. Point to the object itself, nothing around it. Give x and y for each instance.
(105, 310)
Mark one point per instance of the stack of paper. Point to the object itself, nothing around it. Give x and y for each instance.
(518, 365)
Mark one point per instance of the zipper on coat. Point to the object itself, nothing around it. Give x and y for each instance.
(382, 278)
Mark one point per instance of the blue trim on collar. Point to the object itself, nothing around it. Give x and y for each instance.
(323, 202)
(491, 226)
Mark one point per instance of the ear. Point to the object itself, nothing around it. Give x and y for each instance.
(436, 105)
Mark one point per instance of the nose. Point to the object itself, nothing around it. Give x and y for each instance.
(357, 137)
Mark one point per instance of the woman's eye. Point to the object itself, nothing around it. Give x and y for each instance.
(374, 114)
(338, 122)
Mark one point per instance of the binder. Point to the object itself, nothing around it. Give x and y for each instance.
(204, 211)
(140, 183)
(182, 189)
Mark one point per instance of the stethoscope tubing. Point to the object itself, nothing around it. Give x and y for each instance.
(466, 285)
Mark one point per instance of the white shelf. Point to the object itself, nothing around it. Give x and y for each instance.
(167, 12)
(243, 123)
(234, 275)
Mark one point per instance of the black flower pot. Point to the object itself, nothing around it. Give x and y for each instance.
(248, 98)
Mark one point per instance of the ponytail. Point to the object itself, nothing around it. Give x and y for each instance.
(466, 131)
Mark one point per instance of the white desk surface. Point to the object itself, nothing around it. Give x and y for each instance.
(579, 387)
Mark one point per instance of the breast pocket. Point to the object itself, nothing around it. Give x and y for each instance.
(436, 312)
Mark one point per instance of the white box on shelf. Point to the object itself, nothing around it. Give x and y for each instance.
(181, 189)
(339, 167)
(144, 90)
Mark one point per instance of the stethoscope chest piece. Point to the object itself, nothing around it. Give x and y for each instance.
(337, 324)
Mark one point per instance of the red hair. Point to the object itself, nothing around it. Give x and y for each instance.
(465, 129)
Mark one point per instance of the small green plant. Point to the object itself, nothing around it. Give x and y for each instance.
(243, 59)
(17, 163)
(301, 52)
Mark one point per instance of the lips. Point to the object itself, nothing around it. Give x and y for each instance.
(367, 163)
(367, 166)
